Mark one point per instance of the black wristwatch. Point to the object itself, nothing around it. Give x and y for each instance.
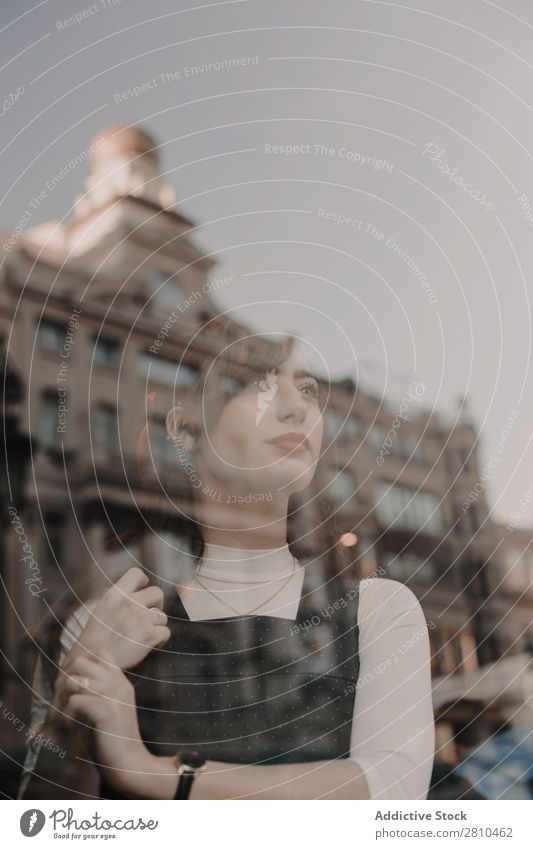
(188, 763)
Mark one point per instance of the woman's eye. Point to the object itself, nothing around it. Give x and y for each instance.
(310, 389)
(264, 383)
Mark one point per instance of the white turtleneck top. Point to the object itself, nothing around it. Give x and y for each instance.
(392, 737)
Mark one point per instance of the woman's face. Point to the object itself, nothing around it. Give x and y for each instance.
(269, 436)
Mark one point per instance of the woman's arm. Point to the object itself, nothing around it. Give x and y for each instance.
(392, 728)
(339, 779)
(55, 765)
(102, 696)
(126, 622)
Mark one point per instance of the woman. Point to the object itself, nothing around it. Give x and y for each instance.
(290, 677)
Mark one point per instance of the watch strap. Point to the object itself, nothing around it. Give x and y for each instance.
(183, 790)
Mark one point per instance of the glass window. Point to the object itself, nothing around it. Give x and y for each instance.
(105, 351)
(409, 508)
(450, 652)
(469, 656)
(50, 336)
(353, 427)
(48, 426)
(341, 485)
(105, 427)
(167, 372)
(53, 540)
(516, 571)
(338, 423)
(332, 423)
(377, 435)
(465, 458)
(435, 641)
(411, 447)
(159, 445)
(167, 291)
(407, 566)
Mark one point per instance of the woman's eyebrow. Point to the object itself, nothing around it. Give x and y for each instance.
(303, 373)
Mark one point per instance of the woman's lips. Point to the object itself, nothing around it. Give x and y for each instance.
(291, 442)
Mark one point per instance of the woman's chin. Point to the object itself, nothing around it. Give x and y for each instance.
(292, 481)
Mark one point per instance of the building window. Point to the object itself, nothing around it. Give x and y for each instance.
(333, 420)
(377, 435)
(341, 485)
(167, 372)
(465, 459)
(166, 291)
(450, 652)
(516, 570)
(104, 352)
(469, 658)
(160, 447)
(105, 427)
(50, 336)
(435, 647)
(49, 434)
(406, 446)
(411, 447)
(408, 508)
(338, 424)
(407, 566)
(353, 427)
(53, 541)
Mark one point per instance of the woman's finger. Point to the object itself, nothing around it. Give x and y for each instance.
(158, 617)
(150, 597)
(132, 580)
(80, 685)
(77, 683)
(160, 636)
(90, 709)
(88, 667)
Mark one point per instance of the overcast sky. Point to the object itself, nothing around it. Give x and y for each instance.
(413, 121)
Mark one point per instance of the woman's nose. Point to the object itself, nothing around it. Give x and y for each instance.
(290, 403)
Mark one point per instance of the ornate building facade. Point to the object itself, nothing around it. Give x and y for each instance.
(97, 315)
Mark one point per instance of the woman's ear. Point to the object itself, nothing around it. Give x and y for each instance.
(178, 429)
(173, 422)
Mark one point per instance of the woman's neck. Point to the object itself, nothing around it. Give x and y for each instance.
(244, 526)
(244, 520)
(271, 536)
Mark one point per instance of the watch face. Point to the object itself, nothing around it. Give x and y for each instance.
(192, 759)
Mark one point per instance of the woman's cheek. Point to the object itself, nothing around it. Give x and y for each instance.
(242, 410)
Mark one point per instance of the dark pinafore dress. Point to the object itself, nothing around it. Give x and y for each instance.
(255, 689)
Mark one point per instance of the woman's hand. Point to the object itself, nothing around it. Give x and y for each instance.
(100, 695)
(128, 622)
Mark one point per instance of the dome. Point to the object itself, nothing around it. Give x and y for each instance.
(119, 140)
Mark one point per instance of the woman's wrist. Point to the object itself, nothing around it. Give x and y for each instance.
(153, 777)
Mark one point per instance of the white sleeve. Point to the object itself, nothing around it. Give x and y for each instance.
(392, 730)
(73, 628)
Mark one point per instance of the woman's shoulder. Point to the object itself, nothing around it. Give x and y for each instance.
(383, 598)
